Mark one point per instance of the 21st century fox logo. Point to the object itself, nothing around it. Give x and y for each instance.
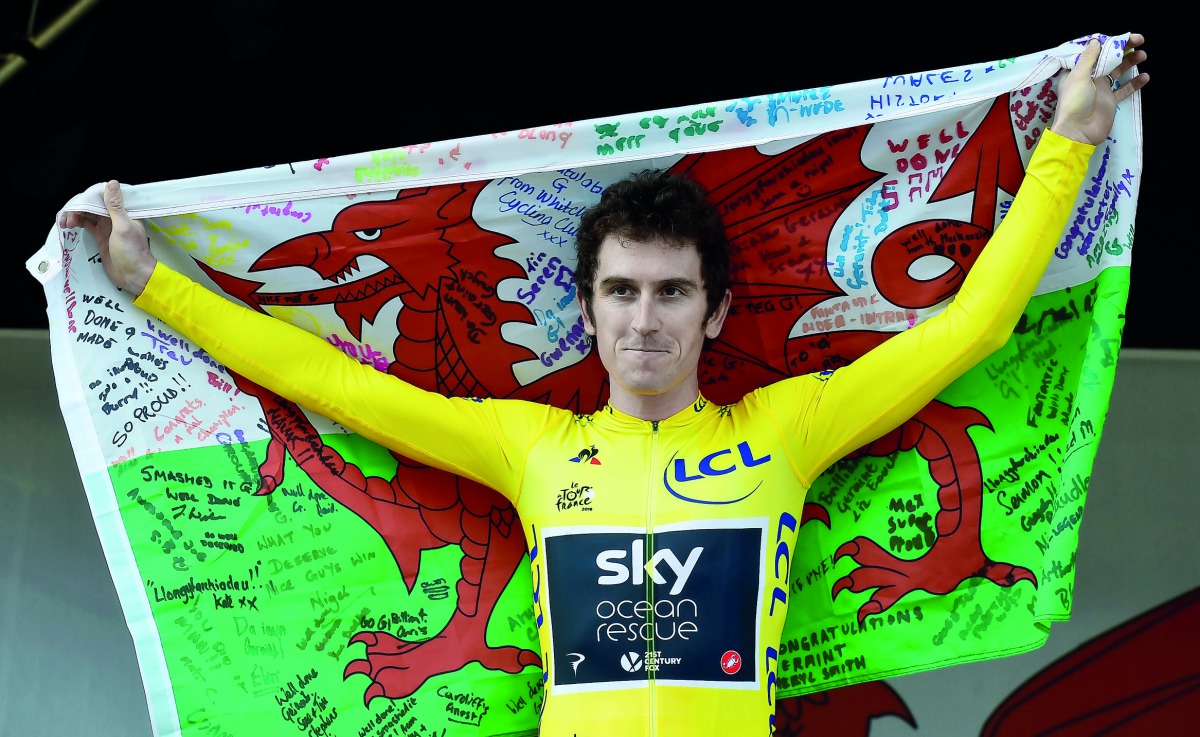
(633, 662)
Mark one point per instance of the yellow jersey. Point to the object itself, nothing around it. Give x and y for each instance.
(660, 551)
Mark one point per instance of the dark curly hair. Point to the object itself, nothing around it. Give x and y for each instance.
(651, 204)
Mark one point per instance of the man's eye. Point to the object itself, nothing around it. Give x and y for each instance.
(619, 291)
(673, 292)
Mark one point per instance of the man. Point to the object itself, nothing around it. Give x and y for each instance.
(661, 601)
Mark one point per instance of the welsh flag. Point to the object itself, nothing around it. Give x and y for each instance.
(255, 572)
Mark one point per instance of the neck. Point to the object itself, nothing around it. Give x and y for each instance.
(653, 407)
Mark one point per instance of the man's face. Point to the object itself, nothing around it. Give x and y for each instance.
(648, 322)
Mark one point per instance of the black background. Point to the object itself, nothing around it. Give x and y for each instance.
(109, 98)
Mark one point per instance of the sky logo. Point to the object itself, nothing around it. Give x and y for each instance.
(618, 572)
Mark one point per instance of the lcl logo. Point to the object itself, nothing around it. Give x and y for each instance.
(718, 463)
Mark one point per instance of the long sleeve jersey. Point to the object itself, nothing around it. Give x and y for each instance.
(661, 562)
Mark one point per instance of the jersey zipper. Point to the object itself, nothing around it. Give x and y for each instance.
(651, 644)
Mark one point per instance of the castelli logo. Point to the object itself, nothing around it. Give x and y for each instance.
(731, 662)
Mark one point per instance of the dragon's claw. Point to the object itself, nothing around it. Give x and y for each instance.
(814, 512)
(374, 691)
(866, 610)
(842, 585)
(848, 548)
(397, 670)
(368, 638)
(1006, 574)
(357, 667)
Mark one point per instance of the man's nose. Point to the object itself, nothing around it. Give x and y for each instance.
(645, 315)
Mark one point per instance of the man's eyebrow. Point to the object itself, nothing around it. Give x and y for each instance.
(674, 281)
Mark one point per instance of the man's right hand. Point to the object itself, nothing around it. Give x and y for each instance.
(1087, 104)
(124, 248)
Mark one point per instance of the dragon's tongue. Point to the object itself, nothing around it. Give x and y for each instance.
(353, 312)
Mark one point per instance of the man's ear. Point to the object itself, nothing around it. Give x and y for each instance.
(588, 327)
(712, 328)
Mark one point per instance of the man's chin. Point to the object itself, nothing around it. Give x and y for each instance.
(643, 383)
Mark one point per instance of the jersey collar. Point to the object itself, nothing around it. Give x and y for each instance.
(694, 412)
